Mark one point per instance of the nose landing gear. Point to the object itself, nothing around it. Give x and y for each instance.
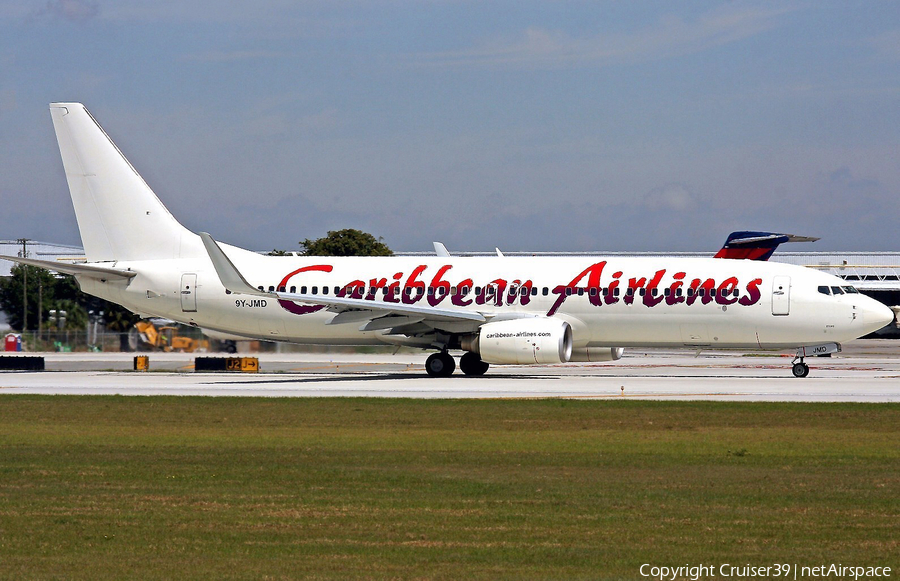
(800, 368)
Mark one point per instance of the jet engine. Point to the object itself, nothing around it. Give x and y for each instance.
(597, 354)
(522, 341)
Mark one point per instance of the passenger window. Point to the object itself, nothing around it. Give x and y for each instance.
(303, 290)
(431, 291)
(534, 291)
(324, 290)
(524, 291)
(271, 289)
(544, 291)
(293, 290)
(568, 291)
(616, 292)
(281, 289)
(643, 291)
(836, 290)
(678, 292)
(315, 290)
(668, 292)
(580, 292)
(260, 288)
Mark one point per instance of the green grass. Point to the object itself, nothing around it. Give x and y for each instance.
(235, 488)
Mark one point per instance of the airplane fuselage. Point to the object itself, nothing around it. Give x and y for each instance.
(615, 302)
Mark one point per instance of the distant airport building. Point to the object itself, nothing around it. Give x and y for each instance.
(38, 250)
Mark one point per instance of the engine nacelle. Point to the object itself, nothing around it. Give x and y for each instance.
(523, 341)
(597, 354)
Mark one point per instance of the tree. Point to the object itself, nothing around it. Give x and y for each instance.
(59, 292)
(347, 242)
(40, 290)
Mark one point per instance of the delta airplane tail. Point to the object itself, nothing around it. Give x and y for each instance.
(744, 245)
(119, 216)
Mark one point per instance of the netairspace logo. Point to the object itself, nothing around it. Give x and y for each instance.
(775, 571)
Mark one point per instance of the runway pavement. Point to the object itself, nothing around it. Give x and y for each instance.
(866, 371)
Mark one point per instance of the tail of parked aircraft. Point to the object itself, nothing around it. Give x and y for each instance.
(119, 216)
(756, 245)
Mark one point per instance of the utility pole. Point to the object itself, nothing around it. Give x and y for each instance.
(23, 242)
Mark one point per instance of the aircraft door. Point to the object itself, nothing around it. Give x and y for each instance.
(781, 295)
(189, 293)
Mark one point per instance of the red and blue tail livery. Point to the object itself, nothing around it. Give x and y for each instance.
(756, 245)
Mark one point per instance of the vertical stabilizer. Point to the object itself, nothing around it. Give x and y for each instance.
(119, 216)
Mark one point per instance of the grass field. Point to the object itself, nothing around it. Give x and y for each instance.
(239, 488)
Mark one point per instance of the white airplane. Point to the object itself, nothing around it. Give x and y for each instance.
(496, 309)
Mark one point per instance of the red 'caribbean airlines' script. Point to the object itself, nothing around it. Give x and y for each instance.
(600, 290)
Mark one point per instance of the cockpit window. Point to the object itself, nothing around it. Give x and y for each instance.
(850, 290)
(836, 290)
(824, 290)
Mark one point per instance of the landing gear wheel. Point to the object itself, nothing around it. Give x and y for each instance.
(440, 364)
(800, 369)
(471, 364)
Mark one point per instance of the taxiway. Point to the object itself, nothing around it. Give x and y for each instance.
(866, 371)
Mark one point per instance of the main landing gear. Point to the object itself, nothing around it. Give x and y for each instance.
(441, 364)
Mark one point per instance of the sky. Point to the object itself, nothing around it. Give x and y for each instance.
(529, 126)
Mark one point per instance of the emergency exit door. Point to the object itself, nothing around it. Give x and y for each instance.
(781, 295)
(189, 293)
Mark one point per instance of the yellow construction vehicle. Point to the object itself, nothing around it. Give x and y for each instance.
(164, 338)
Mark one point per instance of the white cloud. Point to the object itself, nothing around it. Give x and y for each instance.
(72, 10)
(670, 36)
(887, 44)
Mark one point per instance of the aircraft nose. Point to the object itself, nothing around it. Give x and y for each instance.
(876, 315)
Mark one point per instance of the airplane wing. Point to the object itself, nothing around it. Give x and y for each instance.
(88, 270)
(363, 310)
(756, 245)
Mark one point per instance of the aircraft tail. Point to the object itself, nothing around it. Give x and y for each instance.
(119, 216)
(756, 245)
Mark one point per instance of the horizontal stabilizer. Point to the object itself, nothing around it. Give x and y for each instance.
(88, 270)
(756, 245)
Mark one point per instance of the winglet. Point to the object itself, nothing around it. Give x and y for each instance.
(756, 245)
(440, 249)
(228, 273)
